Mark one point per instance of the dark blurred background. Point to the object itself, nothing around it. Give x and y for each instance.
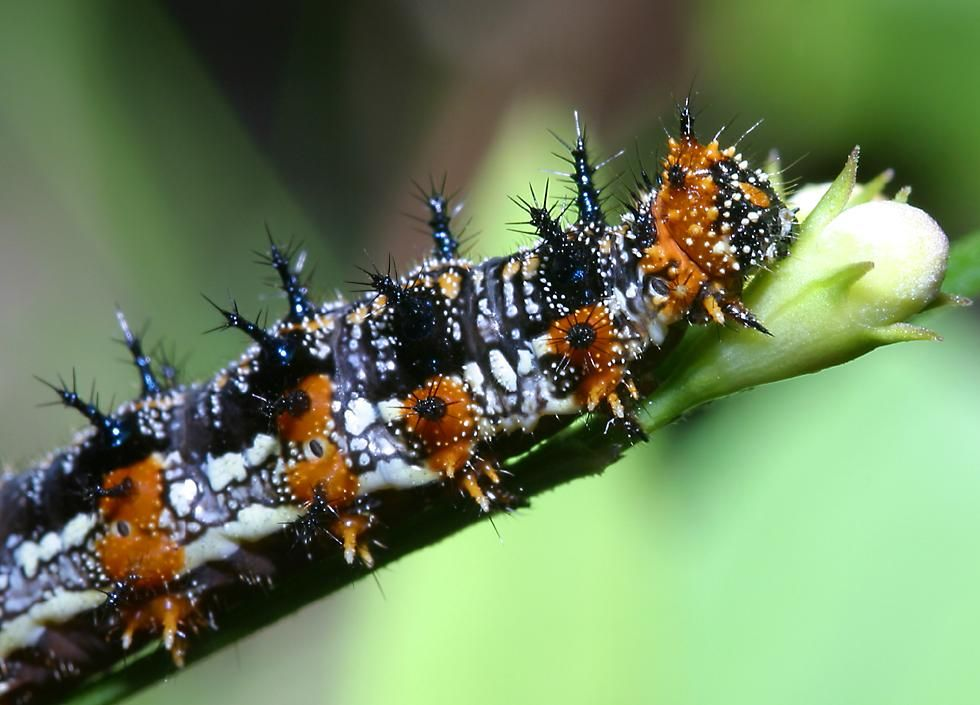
(811, 542)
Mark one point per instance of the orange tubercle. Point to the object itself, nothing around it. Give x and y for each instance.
(316, 420)
(757, 197)
(147, 558)
(134, 494)
(451, 458)
(586, 339)
(135, 547)
(470, 482)
(330, 473)
(667, 259)
(685, 208)
(325, 466)
(442, 415)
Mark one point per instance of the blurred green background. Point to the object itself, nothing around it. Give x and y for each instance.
(811, 542)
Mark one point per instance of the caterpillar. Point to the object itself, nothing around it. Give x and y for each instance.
(343, 410)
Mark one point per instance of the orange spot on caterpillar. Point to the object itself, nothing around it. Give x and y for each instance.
(442, 415)
(586, 339)
(152, 558)
(756, 195)
(136, 548)
(665, 258)
(316, 420)
(329, 473)
(134, 494)
(685, 208)
(325, 466)
(449, 284)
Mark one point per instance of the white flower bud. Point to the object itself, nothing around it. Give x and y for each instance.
(907, 247)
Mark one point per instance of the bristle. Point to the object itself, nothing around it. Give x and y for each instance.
(686, 120)
(170, 368)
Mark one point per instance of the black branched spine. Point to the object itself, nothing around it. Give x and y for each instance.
(570, 265)
(417, 324)
(441, 213)
(279, 350)
(542, 218)
(150, 386)
(112, 431)
(300, 305)
(588, 193)
(644, 228)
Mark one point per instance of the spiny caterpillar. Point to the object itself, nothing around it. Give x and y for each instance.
(344, 409)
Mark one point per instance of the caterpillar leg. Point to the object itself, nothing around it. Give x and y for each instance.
(350, 530)
(479, 480)
(174, 616)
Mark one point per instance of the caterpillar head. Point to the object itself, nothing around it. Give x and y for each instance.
(726, 217)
